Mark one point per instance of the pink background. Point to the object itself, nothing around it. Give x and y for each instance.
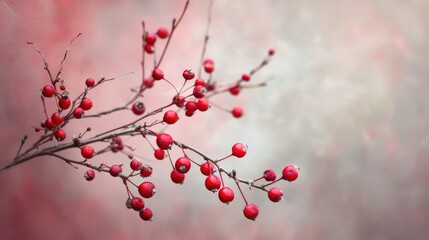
(347, 103)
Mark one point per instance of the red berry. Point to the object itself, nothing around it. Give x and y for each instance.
(146, 171)
(211, 87)
(60, 134)
(162, 33)
(115, 170)
(90, 82)
(203, 104)
(57, 118)
(199, 91)
(188, 74)
(239, 150)
(226, 195)
(87, 151)
(89, 175)
(78, 113)
(149, 48)
(157, 74)
(62, 87)
(183, 164)
(170, 117)
(177, 177)
(146, 214)
(137, 203)
(237, 112)
(208, 61)
(245, 77)
(234, 90)
(147, 189)
(207, 168)
(36, 129)
(148, 82)
(164, 141)
(208, 68)
(64, 102)
(48, 91)
(200, 82)
(191, 106)
(159, 154)
(49, 124)
(271, 52)
(290, 173)
(179, 100)
(86, 104)
(251, 211)
(275, 194)
(189, 113)
(269, 175)
(138, 108)
(150, 38)
(135, 164)
(212, 183)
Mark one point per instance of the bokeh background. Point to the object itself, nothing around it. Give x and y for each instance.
(347, 102)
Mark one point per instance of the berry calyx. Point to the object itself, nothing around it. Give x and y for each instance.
(78, 112)
(237, 112)
(146, 214)
(226, 195)
(162, 32)
(251, 211)
(290, 173)
(164, 141)
(57, 118)
(183, 164)
(146, 171)
(64, 102)
(159, 154)
(115, 170)
(135, 164)
(48, 91)
(137, 203)
(213, 183)
(245, 77)
(239, 150)
(49, 124)
(138, 108)
(170, 117)
(199, 91)
(90, 82)
(177, 177)
(269, 175)
(147, 189)
(206, 168)
(188, 74)
(275, 194)
(60, 134)
(203, 104)
(157, 74)
(86, 104)
(87, 151)
(89, 175)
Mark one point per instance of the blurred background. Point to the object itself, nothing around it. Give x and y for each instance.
(346, 102)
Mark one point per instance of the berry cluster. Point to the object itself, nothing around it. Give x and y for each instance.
(193, 97)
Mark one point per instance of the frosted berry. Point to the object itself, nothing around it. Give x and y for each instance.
(245, 77)
(135, 164)
(57, 118)
(147, 189)
(64, 102)
(89, 175)
(138, 108)
(188, 74)
(226, 195)
(191, 106)
(269, 175)
(290, 173)
(146, 214)
(49, 124)
(149, 48)
(159, 154)
(146, 171)
(115, 170)
(164, 141)
(239, 150)
(177, 177)
(203, 104)
(86, 104)
(200, 82)
(275, 194)
(148, 82)
(48, 91)
(251, 211)
(183, 164)
(90, 82)
(87, 151)
(137, 203)
(234, 90)
(60, 134)
(162, 33)
(170, 117)
(206, 168)
(212, 183)
(237, 112)
(157, 74)
(78, 113)
(199, 91)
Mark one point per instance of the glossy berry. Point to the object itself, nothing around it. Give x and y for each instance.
(86, 104)
(159, 154)
(271, 52)
(226, 195)
(208, 67)
(115, 170)
(237, 112)
(89, 175)
(290, 173)
(146, 171)
(275, 194)
(245, 77)
(49, 124)
(137, 203)
(147, 189)
(212, 183)
(234, 90)
(57, 118)
(251, 211)
(188, 74)
(177, 177)
(183, 164)
(170, 117)
(60, 134)
(206, 168)
(90, 82)
(203, 104)
(150, 38)
(64, 102)
(199, 91)
(157, 74)
(87, 151)
(162, 33)
(208, 61)
(191, 106)
(148, 82)
(78, 113)
(146, 214)
(239, 150)
(179, 100)
(164, 141)
(138, 108)
(48, 91)
(269, 175)
(135, 164)
(200, 82)
(149, 48)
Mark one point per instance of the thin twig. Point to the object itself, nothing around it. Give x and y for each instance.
(206, 39)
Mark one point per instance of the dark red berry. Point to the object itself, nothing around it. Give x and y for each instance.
(147, 189)
(64, 102)
(191, 106)
(183, 164)
(170, 117)
(271, 52)
(251, 211)
(60, 134)
(78, 113)
(239, 150)
(212, 183)
(150, 38)
(237, 112)
(48, 91)
(199, 91)
(138, 108)
(49, 124)
(162, 33)
(135, 164)
(203, 104)
(200, 82)
(146, 171)
(188, 74)
(164, 141)
(62, 87)
(226, 195)
(290, 173)
(269, 175)
(89, 175)
(157, 74)
(177, 177)
(115, 170)
(245, 77)
(146, 214)
(86, 104)
(159, 154)
(57, 118)
(90, 82)
(87, 151)
(137, 203)
(189, 113)
(206, 168)
(275, 194)
(234, 90)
